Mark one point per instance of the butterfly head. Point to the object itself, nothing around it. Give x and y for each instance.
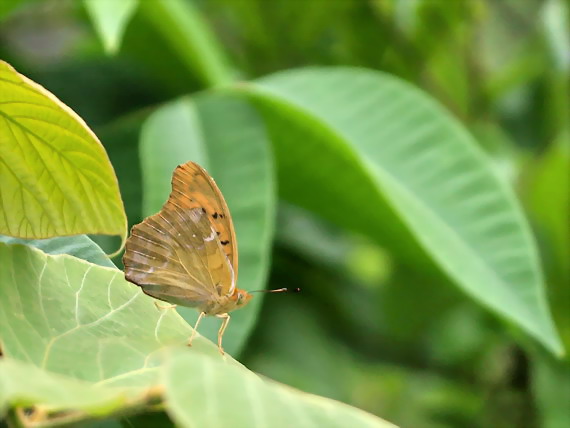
(241, 297)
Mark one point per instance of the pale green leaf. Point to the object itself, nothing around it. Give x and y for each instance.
(395, 166)
(25, 384)
(85, 321)
(56, 177)
(67, 317)
(110, 18)
(237, 155)
(227, 395)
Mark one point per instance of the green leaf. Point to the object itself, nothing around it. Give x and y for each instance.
(222, 393)
(547, 183)
(395, 166)
(62, 315)
(121, 139)
(66, 317)
(551, 389)
(7, 6)
(56, 177)
(237, 156)
(110, 18)
(79, 246)
(183, 28)
(25, 384)
(556, 26)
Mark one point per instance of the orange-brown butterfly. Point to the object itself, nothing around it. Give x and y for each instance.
(187, 253)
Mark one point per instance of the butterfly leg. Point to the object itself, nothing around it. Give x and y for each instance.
(225, 322)
(161, 307)
(195, 328)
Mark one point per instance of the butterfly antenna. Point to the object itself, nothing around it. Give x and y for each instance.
(278, 290)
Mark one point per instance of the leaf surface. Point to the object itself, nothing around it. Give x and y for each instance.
(394, 165)
(223, 393)
(56, 177)
(24, 384)
(92, 341)
(68, 316)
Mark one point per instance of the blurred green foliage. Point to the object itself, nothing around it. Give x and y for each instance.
(367, 329)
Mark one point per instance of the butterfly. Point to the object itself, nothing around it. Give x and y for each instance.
(187, 253)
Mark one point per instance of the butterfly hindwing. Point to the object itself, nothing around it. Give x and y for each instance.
(176, 256)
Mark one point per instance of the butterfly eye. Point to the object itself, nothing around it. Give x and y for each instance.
(240, 298)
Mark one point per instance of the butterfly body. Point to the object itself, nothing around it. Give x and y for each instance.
(186, 254)
(214, 306)
(226, 304)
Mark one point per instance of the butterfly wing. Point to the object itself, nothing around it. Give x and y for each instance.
(193, 187)
(177, 255)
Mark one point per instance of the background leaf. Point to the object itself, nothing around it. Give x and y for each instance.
(407, 154)
(551, 387)
(230, 393)
(110, 19)
(237, 156)
(6, 7)
(546, 185)
(181, 25)
(56, 176)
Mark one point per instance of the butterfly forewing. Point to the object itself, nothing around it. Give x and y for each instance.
(177, 255)
(192, 187)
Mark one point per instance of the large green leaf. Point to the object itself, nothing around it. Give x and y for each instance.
(223, 393)
(56, 177)
(110, 17)
(71, 317)
(394, 165)
(79, 325)
(64, 315)
(237, 155)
